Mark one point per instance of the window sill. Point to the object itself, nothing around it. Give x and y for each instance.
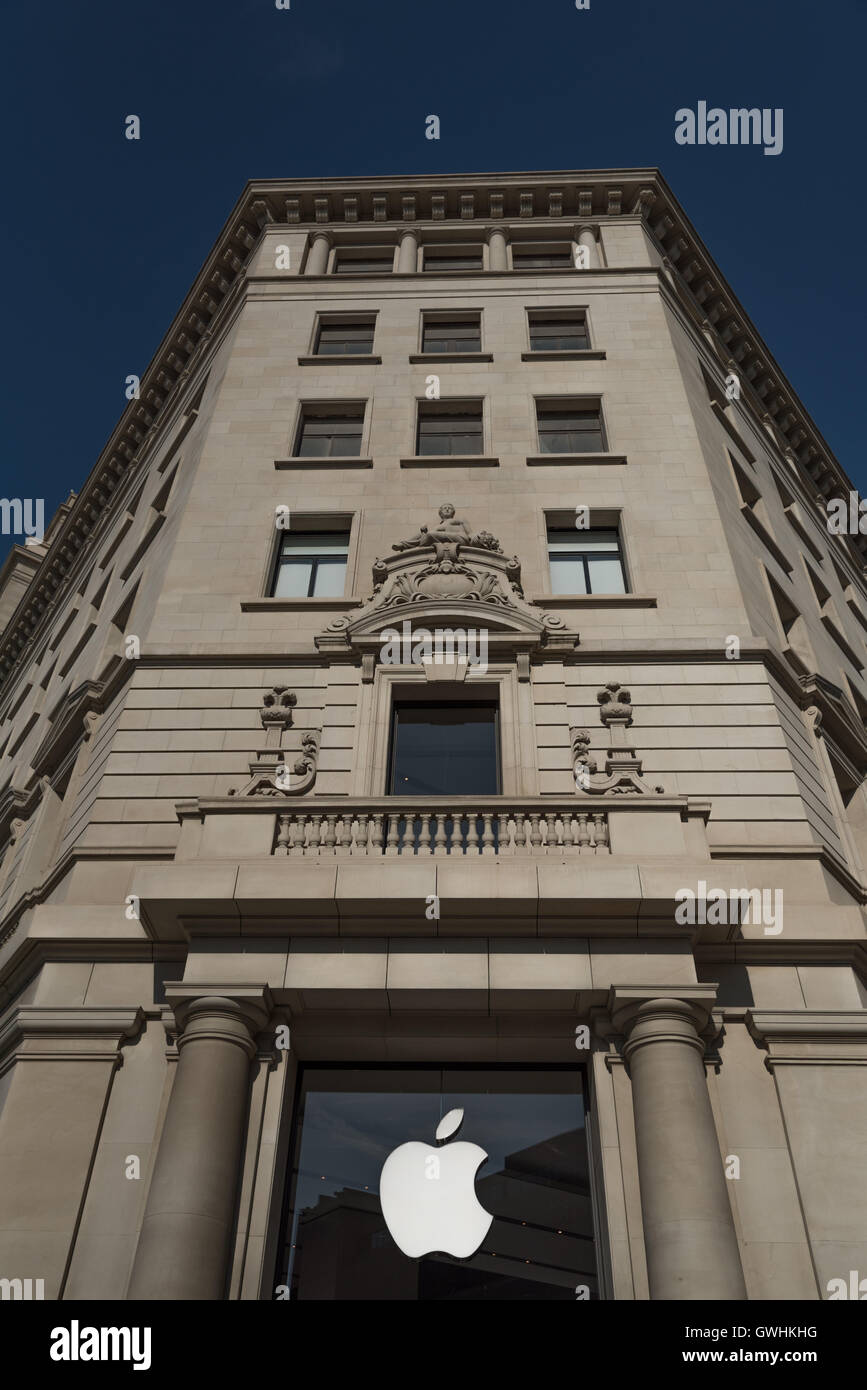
(451, 357)
(565, 355)
(340, 359)
(297, 605)
(450, 461)
(589, 600)
(534, 460)
(335, 461)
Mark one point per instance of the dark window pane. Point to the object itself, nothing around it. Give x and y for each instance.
(564, 431)
(345, 338)
(436, 262)
(452, 337)
(440, 750)
(370, 265)
(324, 435)
(558, 335)
(526, 260)
(535, 1183)
(453, 433)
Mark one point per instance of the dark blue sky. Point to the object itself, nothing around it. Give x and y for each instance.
(103, 236)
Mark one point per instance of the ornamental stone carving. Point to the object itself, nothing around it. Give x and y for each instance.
(455, 571)
(277, 706)
(623, 775)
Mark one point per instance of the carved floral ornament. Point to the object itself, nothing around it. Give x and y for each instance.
(623, 774)
(451, 569)
(271, 771)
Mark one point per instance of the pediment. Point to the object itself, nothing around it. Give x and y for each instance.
(448, 580)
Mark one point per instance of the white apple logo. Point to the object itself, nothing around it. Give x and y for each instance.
(429, 1198)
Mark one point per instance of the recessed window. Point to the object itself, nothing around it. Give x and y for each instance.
(541, 260)
(343, 1239)
(462, 258)
(444, 750)
(346, 337)
(464, 335)
(311, 564)
(585, 562)
(364, 261)
(325, 432)
(566, 428)
(548, 334)
(445, 427)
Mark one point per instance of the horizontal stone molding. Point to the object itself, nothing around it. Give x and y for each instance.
(88, 1034)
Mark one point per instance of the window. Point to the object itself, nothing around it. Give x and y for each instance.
(326, 432)
(311, 564)
(464, 335)
(444, 750)
(463, 258)
(369, 261)
(569, 429)
(336, 1243)
(548, 334)
(541, 260)
(347, 337)
(585, 562)
(449, 428)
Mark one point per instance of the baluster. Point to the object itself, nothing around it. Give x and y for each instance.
(330, 832)
(568, 842)
(313, 840)
(583, 832)
(408, 842)
(600, 822)
(344, 838)
(535, 832)
(376, 837)
(360, 844)
(504, 845)
(440, 834)
(391, 841)
(472, 834)
(424, 835)
(282, 845)
(299, 832)
(488, 845)
(520, 832)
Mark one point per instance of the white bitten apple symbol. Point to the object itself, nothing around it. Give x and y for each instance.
(429, 1198)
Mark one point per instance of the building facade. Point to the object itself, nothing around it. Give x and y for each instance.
(445, 694)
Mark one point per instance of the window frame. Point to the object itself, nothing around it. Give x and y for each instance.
(328, 409)
(329, 321)
(580, 405)
(556, 522)
(444, 407)
(312, 523)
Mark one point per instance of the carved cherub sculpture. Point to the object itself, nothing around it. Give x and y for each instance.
(445, 538)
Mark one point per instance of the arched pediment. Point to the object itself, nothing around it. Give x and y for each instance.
(450, 580)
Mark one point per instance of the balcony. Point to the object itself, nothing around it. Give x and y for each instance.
(432, 827)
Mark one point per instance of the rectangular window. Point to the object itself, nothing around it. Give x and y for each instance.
(364, 263)
(448, 428)
(444, 750)
(558, 334)
(311, 564)
(452, 336)
(541, 260)
(363, 1222)
(467, 258)
(344, 338)
(569, 429)
(325, 432)
(585, 562)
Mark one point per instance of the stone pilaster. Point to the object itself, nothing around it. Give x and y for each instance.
(183, 1249)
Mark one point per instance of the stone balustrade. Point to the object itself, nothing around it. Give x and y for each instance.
(425, 827)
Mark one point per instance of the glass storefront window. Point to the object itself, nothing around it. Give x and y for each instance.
(535, 1183)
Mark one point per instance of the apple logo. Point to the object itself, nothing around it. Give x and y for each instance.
(428, 1195)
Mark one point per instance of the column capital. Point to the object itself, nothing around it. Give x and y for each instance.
(231, 1013)
(316, 232)
(679, 1012)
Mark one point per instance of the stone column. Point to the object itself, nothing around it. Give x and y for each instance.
(407, 260)
(689, 1236)
(498, 258)
(587, 237)
(317, 257)
(183, 1249)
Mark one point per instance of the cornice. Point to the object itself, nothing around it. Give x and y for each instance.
(576, 196)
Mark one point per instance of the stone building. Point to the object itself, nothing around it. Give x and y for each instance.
(445, 693)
